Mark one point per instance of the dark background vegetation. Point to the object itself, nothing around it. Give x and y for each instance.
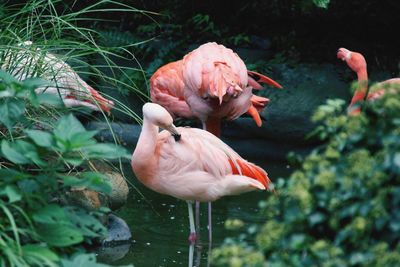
(296, 27)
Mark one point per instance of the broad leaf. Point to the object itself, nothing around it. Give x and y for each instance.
(41, 138)
(12, 154)
(59, 235)
(34, 253)
(11, 111)
(106, 151)
(11, 192)
(91, 180)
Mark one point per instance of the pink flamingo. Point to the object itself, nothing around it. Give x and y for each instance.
(167, 89)
(25, 59)
(190, 164)
(357, 63)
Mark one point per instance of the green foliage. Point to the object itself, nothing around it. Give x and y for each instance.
(40, 161)
(341, 207)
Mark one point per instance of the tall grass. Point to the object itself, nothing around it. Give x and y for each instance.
(56, 28)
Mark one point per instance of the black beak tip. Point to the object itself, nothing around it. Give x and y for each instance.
(177, 137)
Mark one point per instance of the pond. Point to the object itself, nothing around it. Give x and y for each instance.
(160, 225)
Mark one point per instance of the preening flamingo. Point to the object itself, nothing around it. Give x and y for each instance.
(25, 61)
(190, 164)
(167, 89)
(357, 63)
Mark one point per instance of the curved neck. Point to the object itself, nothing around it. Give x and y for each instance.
(143, 156)
(362, 87)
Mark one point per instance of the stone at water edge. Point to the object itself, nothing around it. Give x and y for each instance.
(118, 230)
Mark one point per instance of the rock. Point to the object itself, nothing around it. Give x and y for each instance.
(110, 253)
(118, 230)
(126, 134)
(119, 187)
(84, 198)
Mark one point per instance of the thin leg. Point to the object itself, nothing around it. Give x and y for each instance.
(192, 236)
(191, 254)
(209, 224)
(197, 216)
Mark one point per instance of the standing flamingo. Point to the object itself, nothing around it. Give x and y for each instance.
(26, 61)
(357, 63)
(190, 164)
(217, 85)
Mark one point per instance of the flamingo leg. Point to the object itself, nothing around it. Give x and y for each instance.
(193, 235)
(209, 225)
(197, 216)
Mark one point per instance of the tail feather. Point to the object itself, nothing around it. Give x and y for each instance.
(256, 77)
(250, 170)
(252, 111)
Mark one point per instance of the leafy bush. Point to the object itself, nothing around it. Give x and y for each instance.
(40, 161)
(342, 206)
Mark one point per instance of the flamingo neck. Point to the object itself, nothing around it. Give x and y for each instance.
(362, 86)
(143, 157)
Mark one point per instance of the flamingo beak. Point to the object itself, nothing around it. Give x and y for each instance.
(174, 132)
(105, 104)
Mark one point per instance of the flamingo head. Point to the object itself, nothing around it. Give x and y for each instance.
(354, 60)
(159, 116)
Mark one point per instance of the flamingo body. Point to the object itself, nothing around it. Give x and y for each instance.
(198, 167)
(168, 86)
(27, 62)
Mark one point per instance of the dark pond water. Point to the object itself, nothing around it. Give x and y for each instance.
(160, 225)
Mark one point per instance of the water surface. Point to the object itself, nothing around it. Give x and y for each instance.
(160, 225)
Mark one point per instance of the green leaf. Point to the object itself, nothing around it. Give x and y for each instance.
(91, 180)
(11, 192)
(106, 151)
(41, 138)
(321, 3)
(29, 151)
(12, 154)
(55, 227)
(51, 214)
(67, 127)
(59, 235)
(86, 223)
(6, 77)
(82, 139)
(50, 99)
(11, 111)
(33, 252)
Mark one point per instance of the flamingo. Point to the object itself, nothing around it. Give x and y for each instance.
(167, 89)
(210, 83)
(189, 163)
(357, 63)
(25, 61)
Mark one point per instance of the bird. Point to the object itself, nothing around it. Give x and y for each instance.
(217, 85)
(27, 61)
(358, 64)
(190, 164)
(210, 83)
(167, 89)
